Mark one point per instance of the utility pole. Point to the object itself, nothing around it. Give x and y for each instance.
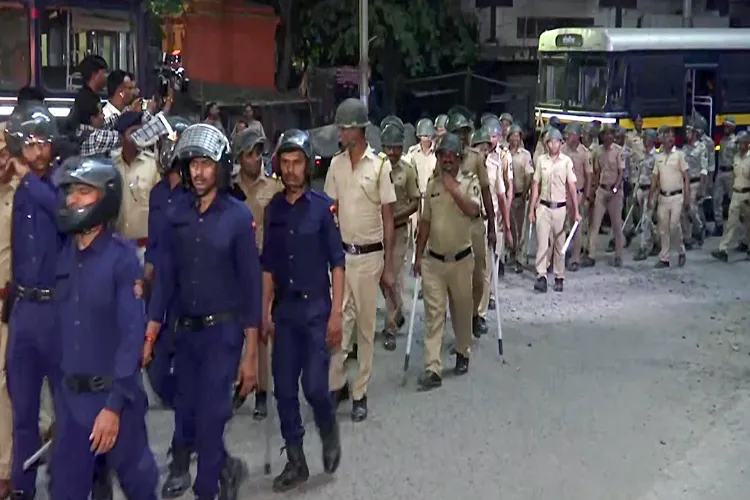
(687, 13)
(364, 43)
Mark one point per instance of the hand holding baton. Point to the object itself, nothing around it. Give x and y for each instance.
(570, 237)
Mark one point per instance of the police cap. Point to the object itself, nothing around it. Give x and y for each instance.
(352, 113)
(392, 135)
(456, 122)
(425, 128)
(449, 142)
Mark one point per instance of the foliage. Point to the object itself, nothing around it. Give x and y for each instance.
(413, 36)
(166, 7)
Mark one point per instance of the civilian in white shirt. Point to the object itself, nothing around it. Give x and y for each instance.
(120, 93)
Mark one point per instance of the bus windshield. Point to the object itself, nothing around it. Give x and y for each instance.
(15, 52)
(70, 34)
(582, 81)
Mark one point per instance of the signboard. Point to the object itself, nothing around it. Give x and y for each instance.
(569, 40)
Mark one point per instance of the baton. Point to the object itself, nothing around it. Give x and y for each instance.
(627, 217)
(528, 242)
(570, 237)
(412, 317)
(269, 426)
(36, 456)
(497, 307)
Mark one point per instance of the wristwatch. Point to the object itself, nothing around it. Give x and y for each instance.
(614, 190)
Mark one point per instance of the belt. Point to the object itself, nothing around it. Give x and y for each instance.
(399, 226)
(518, 195)
(198, 323)
(363, 249)
(671, 193)
(35, 294)
(741, 190)
(80, 384)
(552, 204)
(726, 169)
(605, 187)
(140, 242)
(644, 186)
(451, 258)
(299, 294)
(694, 180)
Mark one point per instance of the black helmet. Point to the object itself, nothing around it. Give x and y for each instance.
(30, 122)
(449, 142)
(246, 141)
(99, 173)
(293, 140)
(167, 143)
(204, 141)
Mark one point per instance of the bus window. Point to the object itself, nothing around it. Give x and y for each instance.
(69, 35)
(595, 82)
(15, 52)
(552, 80)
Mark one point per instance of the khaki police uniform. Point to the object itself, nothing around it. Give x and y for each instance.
(582, 168)
(475, 163)
(739, 206)
(541, 146)
(645, 214)
(360, 192)
(407, 192)
(258, 195)
(634, 142)
(552, 175)
(710, 152)
(138, 178)
(523, 172)
(445, 268)
(696, 157)
(608, 164)
(500, 174)
(424, 165)
(724, 177)
(669, 167)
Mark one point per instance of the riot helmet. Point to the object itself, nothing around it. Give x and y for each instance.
(29, 123)
(506, 117)
(553, 135)
(488, 117)
(99, 173)
(425, 128)
(456, 122)
(352, 113)
(440, 122)
(246, 141)
(480, 136)
(573, 128)
(392, 136)
(515, 129)
(463, 111)
(729, 124)
(294, 140)
(449, 142)
(650, 135)
(392, 120)
(166, 144)
(204, 141)
(554, 122)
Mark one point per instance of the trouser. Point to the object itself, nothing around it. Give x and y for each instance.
(300, 350)
(206, 362)
(577, 243)
(445, 282)
(550, 225)
(31, 356)
(739, 210)
(363, 274)
(646, 220)
(479, 248)
(400, 246)
(692, 219)
(518, 218)
(670, 228)
(722, 187)
(607, 202)
(488, 288)
(73, 461)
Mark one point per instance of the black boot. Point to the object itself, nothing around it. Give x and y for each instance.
(720, 255)
(261, 405)
(101, 489)
(178, 479)
(478, 326)
(295, 471)
(232, 477)
(558, 287)
(541, 284)
(331, 448)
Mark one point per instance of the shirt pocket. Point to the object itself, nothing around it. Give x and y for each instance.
(369, 186)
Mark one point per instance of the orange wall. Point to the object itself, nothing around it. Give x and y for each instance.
(229, 43)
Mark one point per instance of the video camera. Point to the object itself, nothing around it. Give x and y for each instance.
(171, 73)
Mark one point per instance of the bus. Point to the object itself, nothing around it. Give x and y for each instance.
(663, 75)
(42, 42)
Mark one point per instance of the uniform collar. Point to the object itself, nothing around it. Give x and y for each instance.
(98, 245)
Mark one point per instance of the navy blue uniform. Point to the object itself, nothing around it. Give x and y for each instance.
(32, 351)
(101, 323)
(210, 263)
(302, 242)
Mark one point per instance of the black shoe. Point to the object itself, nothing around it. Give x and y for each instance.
(295, 471)
(519, 268)
(462, 365)
(478, 326)
(420, 295)
(681, 260)
(574, 267)
(720, 255)
(101, 489)
(699, 239)
(742, 247)
(261, 406)
(587, 261)
(331, 440)
(661, 264)
(340, 395)
(628, 240)
(232, 477)
(541, 284)
(491, 305)
(178, 478)
(640, 255)
(688, 245)
(558, 287)
(617, 262)
(389, 341)
(359, 409)
(428, 381)
(500, 269)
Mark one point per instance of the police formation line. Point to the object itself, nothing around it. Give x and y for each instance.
(221, 266)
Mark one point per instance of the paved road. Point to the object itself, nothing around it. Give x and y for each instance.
(632, 384)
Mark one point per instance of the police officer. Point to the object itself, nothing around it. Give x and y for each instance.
(452, 202)
(474, 162)
(554, 181)
(405, 181)
(210, 262)
(634, 139)
(422, 155)
(523, 173)
(101, 405)
(583, 170)
(440, 122)
(739, 206)
(553, 123)
(697, 160)
(506, 120)
(704, 136)
(258, 190)
(609, 164)
(302, 245)
(631, 162)
(359, 182)
(671, 181)
(33, 344)
(645, 214)
(723, 181)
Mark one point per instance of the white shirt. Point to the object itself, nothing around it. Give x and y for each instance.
(109, 109)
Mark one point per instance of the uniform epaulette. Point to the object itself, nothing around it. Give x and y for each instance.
(382, 156)
(413, 149)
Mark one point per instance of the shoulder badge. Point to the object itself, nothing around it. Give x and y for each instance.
(382, 156)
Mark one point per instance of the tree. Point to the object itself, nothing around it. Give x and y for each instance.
(407, 37)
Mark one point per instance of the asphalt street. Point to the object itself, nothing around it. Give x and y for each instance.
(632, 385)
